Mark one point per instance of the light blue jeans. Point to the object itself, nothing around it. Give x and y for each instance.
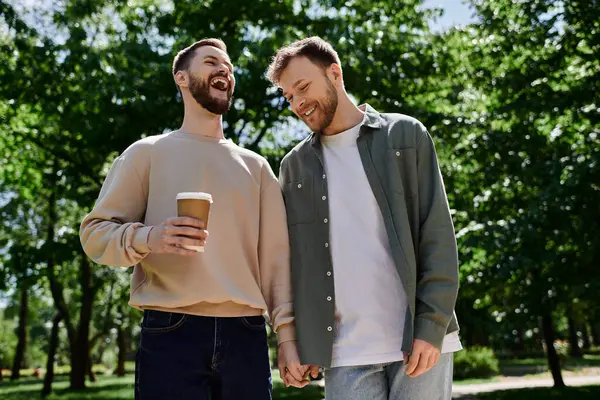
(390, 382)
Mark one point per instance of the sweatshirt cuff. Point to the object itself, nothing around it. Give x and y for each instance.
(286, 333)
(429, 331)
(140, 239)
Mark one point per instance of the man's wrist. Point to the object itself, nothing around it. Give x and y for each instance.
(287, 341)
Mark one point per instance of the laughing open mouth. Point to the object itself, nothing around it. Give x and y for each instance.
(220, 83)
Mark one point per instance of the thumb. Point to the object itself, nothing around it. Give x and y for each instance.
(314, 371)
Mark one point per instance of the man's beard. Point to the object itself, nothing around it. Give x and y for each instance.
(328, 108)
(200, 90)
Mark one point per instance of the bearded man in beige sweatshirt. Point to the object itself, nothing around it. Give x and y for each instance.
(203, 333)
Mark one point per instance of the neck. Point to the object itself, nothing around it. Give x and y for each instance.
(198, 120)
(346, 116)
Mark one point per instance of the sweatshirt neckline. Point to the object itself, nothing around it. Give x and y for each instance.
(202, 138)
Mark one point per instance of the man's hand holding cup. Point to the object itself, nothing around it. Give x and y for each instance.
(174, 233)
(185, 234)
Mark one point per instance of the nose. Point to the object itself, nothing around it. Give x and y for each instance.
(299, 104)
(223, 69)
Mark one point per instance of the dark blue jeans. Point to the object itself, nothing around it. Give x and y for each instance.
(189, 357)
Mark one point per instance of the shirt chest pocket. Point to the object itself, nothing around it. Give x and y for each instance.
(403, 174)
(299, 201)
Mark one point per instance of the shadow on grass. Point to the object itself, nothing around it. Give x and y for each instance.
(280, 392)
(90, 391)
(24, 382)
(107, 388)
(113, 388)
(579, 393)
(528, 366)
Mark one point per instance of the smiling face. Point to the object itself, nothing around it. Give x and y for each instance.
(310, 91)
(210, 79)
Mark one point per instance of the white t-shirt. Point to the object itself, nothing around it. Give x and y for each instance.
(369, 297)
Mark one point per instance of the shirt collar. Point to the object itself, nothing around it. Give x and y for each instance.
(372, 120)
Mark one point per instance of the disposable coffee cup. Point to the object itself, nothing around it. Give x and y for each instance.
(196, 205)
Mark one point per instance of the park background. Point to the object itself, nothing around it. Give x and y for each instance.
(509, 90)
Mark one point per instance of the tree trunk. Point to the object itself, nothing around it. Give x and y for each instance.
(587, 344)
(90, 372)
(53, 345)
(22, 334)
(56, 288)
(468, 337)
(520, 345)
(104, 330)
(80, 362)
(100, 352)
(595, 332)
(574, 349)
(553, 361)
(122, 344)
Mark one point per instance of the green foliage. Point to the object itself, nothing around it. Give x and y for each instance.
(524, 166)
(475, 362)
(8, 341)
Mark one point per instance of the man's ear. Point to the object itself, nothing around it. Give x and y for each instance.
(335, 72)
(181, 79)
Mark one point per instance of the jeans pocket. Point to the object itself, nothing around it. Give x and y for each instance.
(256, 323)
(160, 321)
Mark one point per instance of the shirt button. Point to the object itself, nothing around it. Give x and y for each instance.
(398, 153)
(328, 298)
(325, 220)
(323, 198)
(328, 273)
(324, 176)
(299, 185)
(329, 329)
(326, 244)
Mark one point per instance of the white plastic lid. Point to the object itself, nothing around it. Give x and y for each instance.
(194, 195)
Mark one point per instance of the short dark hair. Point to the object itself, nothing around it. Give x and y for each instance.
(314, 48)
(184, 57)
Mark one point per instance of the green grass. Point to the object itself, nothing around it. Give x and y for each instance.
(520, 367)
(107, 388)
(579, 393)
(114, 388)
(475, 381)
(588, 360)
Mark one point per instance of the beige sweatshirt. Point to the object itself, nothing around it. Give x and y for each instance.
(244, 270)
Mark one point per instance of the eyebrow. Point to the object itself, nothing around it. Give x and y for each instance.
(215, 58)
(294, 85)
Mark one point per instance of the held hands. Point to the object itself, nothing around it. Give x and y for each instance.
(169, 236)
(291, 371)
(310, 370)
(424, 356)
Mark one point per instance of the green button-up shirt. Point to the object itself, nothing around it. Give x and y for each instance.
(400, 163)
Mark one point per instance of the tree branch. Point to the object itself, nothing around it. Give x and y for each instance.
(62, 155)
(256, 141)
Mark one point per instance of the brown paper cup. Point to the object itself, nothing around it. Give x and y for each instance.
(196, 205)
